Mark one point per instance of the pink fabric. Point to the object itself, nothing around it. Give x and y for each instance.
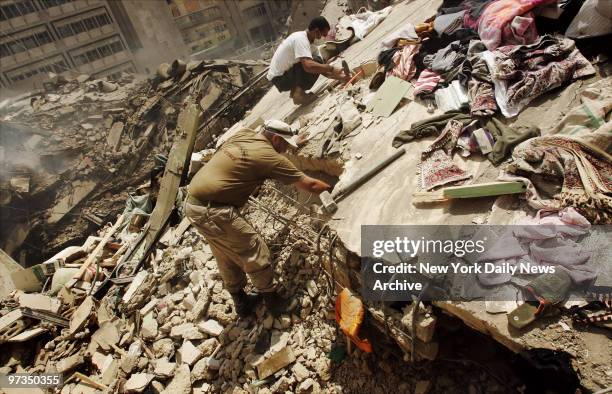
(404, 64)
(546, 239)
(505, 22)
(427, 82)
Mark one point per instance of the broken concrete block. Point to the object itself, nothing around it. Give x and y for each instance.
(39, 302)
(149, 326)
(205, 369)
(308, 386)
(181, 382)
(188, 354)
(106, 336)
(138, 382)
(80, 190)
(136, 283)
(300, 372)
(114, 135)
(275, 362)
(68, 363)
(163, 348)
(101, 361)
(81, 315)
(189, 301)
(186, 331)
(148, 307)
(163, 368)
(109, 374)
(211, 327)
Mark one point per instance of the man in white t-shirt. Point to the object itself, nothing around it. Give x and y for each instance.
(294, 68)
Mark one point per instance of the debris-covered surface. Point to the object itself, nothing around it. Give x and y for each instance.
(142, 308)
(71, 154)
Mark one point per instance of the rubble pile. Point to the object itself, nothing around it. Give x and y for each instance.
(72, 152)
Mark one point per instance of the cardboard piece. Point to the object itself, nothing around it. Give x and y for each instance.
(388, 97)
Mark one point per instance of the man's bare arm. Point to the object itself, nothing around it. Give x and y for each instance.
(312, 67)
(312, 185)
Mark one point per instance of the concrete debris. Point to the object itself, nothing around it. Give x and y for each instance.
(138, 382)
(188, 354)
(211, 327)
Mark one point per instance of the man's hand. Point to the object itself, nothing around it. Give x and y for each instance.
(312, 185)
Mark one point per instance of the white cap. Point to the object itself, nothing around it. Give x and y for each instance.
(283, 130)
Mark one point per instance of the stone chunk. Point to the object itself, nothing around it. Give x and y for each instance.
(300, 372)
(138, 382)
(149, 326)
(68, 363)
(164, 368)
(181, 383)
(188, 354)
(276, 362)
(211, 327)
(186, 331)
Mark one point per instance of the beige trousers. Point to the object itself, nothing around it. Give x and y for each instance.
(237, 247)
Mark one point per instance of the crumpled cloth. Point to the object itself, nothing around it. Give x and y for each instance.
(448, 61)
(364, 22)
(505, 137)
(508, 22)
(480, 85)
(474, 10)
(561, 171)
(521, 73)
(593, 112)
(403, 60)
(437, 167)
(427, 82)
(547, 239)
(407, 32)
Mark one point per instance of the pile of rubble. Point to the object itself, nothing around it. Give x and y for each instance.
(71, 153)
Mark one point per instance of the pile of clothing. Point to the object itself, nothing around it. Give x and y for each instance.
(485, 60)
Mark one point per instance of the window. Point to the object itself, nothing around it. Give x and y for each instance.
(56, 64)
(97, 51)
(72, 27)
(18, 8)
(25, 40)
(53, 3)
(256, 11)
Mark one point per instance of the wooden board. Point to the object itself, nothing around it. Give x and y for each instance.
(388, 96)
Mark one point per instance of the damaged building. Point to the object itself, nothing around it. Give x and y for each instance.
(453, 116)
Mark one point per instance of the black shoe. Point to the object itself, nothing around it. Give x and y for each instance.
(245, 304)
(278, 305)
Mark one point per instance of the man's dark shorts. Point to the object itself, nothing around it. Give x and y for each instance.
(296, 76)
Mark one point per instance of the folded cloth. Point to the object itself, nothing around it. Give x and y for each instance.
(427, 82)
(452, 98)
(503, 22)
(562, 171)
(448, 23)
(521, 73)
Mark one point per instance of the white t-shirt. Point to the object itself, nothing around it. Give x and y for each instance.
(288, 52)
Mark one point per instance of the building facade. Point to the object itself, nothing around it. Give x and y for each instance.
(97, 37)
(228, 25)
